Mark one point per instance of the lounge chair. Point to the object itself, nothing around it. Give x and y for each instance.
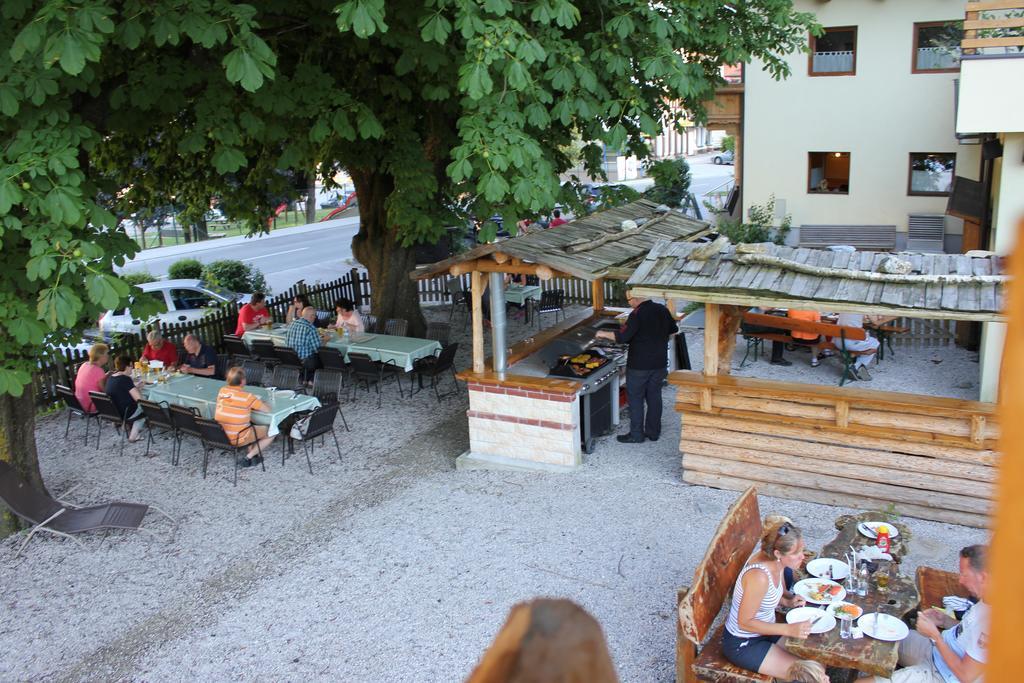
(63, 519)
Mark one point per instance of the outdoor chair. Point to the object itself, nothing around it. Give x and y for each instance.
(287, 356)
(551, 301)
(184, 421)
(157, 417)
(224, 362)
(440, 332)
(327, 386)
(370, 323)
(320, 422)
(254, 371)
(370, 373)
(396, 327)
(287, 377)
(265, 352)
(460, 297)
(60, 518)
(107, 412)
(236, 348)
(435, 367)
(215, 438)
(75, 409)
(332, 359)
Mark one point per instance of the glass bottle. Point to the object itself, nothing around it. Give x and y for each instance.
(862, 579)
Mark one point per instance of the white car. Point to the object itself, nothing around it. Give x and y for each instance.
(180, 301)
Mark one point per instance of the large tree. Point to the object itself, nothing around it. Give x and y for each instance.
(435, 108)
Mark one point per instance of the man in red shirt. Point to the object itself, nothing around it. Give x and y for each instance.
(160, 349)
(253, 314)
(556, 219)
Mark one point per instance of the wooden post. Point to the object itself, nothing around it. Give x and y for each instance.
(597, 294)
(711, 318)
(477, 293)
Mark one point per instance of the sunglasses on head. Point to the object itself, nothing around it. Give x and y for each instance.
(784, 529)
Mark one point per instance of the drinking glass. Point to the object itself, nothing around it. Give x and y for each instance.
(882, 577)
(845, 627)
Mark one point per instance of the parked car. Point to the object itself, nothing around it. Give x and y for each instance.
(179, 300)
(726, 157)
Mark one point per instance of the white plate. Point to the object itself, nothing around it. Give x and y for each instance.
(840, 570)
(883, 627)
(869, 529)
(284, 393)
(825, 624)
(803, 589)
(832, 608)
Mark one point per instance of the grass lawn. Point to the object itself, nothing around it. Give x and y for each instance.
(287, 219)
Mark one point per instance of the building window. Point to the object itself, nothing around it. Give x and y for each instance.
(931, 173)
(937, 46)
(834, 53)
(828, 172)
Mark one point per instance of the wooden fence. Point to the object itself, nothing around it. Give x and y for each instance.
(925, 333)
(933, 458)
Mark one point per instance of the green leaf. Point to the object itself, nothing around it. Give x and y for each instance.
(369, 126)
(242, 68)
(105, 290)
(131, 33)
(228, 159)
(10, 194)
(437, 28)
(29, 40)
(493, 186)
(25, 330)
(364, 17)
(58, 307)
(477, 82)
(499, 7)
(41, 267)
(9, 105)
(13, 382)
(72, 55)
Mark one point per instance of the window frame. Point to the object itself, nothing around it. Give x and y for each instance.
(915, 38)
(812, 42)
(829, 193)
(911, 192)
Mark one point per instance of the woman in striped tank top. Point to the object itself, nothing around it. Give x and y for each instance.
(750, 636)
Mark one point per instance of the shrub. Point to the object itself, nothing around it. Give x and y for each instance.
(235, 276)
(729, 144)
(138, 278)
(185, 269)
(671, 181)
(759, 229)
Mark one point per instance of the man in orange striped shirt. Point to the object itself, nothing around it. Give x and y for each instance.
(234, 413)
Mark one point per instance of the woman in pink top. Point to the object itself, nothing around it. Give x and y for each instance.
(91, 376)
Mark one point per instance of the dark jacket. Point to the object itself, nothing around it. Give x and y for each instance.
(647, 331)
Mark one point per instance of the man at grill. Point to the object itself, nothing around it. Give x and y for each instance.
(647, 332)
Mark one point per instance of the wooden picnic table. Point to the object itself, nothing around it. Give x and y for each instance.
(865, 654)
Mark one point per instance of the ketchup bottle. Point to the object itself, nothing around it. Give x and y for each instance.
(882, 540)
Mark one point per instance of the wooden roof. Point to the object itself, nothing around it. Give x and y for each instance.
(952, 286)
(590, 247)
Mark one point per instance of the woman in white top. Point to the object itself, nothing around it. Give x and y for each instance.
(869, 343)
(348, 317)
(750, 636)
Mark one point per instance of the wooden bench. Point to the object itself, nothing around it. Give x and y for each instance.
(878, 237)
(699, 604)
(824, 330)
(935, 584)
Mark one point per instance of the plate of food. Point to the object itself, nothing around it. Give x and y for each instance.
(819, 591)
(828, 568)
(821, 621)
(883, 627)
(845, 610)
(870, 529)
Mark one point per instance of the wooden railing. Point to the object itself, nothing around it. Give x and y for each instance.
(931, 457)
(994, 24)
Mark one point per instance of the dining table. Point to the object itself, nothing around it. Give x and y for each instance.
(200, 393)
(866, 654)
(521, 295)
(402, 351)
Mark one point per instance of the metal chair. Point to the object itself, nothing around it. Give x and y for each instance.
(236, 348)
(440, 332)
(254, 371)
(434, 367)
(396, 327)
(108, 412)
(157, 417)
(332, 359)
(460, 297)
(287, 356)
(214, 437)
(75, 409)
(327, 386)
(265, 352)
(184, 421)
(370, 323)
(370, 373)
(224, 361)
(287, 377)
(320, 422)
(551, 301)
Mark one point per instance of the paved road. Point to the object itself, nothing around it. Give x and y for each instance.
(320, 251)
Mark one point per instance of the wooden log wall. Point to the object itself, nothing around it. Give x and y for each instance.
(933, 458)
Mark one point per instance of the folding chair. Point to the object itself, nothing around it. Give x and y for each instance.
(214, 437)
(75, 409)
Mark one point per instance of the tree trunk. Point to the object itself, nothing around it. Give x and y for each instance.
(311, 197)
(18, 446)
(202, 230)
(393, 294)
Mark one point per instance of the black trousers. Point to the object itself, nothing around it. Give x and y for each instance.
(777, 347)
(310, 364)
(643, 387)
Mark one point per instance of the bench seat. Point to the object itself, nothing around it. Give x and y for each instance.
(711, 664)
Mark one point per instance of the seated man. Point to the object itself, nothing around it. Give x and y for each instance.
(159, 349)
(253, 314)
(305, 339)
(200, 359)
(860, 369)
(234, 413)
(956, 654)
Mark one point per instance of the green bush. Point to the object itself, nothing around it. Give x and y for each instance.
(235, 276)
(671, 181)
(138, 278)
(759, 229)
(185, 269)
(729, 144)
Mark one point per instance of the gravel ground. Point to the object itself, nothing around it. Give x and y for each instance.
(387, 566)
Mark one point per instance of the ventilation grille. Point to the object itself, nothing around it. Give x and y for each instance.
(926, 232)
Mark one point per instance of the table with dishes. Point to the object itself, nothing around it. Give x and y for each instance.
(200, 393)
(403, 351)
(833, 598)
(521, 296)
